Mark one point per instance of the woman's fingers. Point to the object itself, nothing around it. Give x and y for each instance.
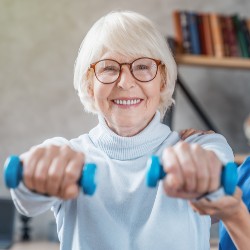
(69, 187)
(184, 134)
(180, 169)
(191, 170)
(188, 167)
(215, 167)
(56, 175)
(30, 161)
(53, 170)
(40, 176)
(174, 179)
(202, 169)
(221, 208)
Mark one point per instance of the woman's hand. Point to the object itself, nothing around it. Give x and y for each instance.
(233, 213)
(184, 134)
(222, 209)
(191, 170)
(53, 170)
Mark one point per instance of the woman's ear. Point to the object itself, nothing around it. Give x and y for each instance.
(163, 85)
(163, 78)
(90, 83)
(91, 89)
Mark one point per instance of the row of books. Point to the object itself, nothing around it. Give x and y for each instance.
(211, 34)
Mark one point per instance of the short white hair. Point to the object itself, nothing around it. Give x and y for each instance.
(130, 34)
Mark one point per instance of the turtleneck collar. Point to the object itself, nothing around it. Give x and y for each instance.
(126, 148)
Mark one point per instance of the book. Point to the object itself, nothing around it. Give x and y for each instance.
(232, 39)
(201, 32)
(225, 35)
(248, 24)
(185, 32)
(178, 31)
(216, 35)
(194, 33)
(173, 45)
(240, 36)
(246, 33)
(209, 49)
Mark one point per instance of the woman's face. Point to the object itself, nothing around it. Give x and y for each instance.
(127, 105)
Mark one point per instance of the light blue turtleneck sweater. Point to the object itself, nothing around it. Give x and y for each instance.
(124, 214)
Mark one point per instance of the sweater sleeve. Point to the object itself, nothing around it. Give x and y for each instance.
(216, 143)
(30, 203)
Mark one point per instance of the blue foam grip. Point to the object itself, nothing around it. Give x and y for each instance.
(87, 180)
(155, 173)
(229, 178)
(13, 171)
(13, 175)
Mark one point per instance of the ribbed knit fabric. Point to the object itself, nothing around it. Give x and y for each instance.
(126, 148)
(124, 214)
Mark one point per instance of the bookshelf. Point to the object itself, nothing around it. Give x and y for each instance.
(206, 37)
(212, 34)
(209, 40)
(208, 61)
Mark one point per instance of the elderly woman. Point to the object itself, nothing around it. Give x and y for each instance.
(125, 74)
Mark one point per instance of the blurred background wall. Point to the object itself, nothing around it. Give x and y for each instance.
(39, 41)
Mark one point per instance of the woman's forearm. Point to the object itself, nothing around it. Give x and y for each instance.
(238, 227)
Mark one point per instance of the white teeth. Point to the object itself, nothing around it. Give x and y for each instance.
(127, 102)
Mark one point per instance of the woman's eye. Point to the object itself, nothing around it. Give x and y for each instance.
(141, 67)
(110, 68)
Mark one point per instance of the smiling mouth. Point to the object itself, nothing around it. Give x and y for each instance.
(127, 102)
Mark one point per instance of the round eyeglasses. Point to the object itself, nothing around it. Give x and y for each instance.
(142, 69)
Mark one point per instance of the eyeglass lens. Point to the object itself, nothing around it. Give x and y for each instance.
(143, 69)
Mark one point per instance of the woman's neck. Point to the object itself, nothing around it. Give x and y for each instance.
(127, 130)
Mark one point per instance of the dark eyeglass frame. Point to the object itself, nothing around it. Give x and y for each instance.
(158, 62)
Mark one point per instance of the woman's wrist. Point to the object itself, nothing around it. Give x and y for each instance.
(238, 227)
(236, 217)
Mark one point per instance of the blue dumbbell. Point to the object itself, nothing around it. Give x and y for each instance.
(13, 175)
(229, 176)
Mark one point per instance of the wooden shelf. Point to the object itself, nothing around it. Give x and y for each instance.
(205, 61)
(216, 62)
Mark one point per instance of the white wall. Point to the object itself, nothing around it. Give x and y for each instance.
(39, 41)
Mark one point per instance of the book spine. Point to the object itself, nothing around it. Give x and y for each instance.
(246, 33)
(232, 37)
(178, 30)
(216, 35)
(240, 36)
(208, 35)
(194, 33)
(225, 35)
(201, 34)
(173, 45)
(185, 33)
(248, 24)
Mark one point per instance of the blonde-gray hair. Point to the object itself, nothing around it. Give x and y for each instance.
(129, 34)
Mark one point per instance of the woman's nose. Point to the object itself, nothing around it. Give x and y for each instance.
(126, 79)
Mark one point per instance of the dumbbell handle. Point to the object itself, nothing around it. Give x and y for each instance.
(229, 174)
(13, 175)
